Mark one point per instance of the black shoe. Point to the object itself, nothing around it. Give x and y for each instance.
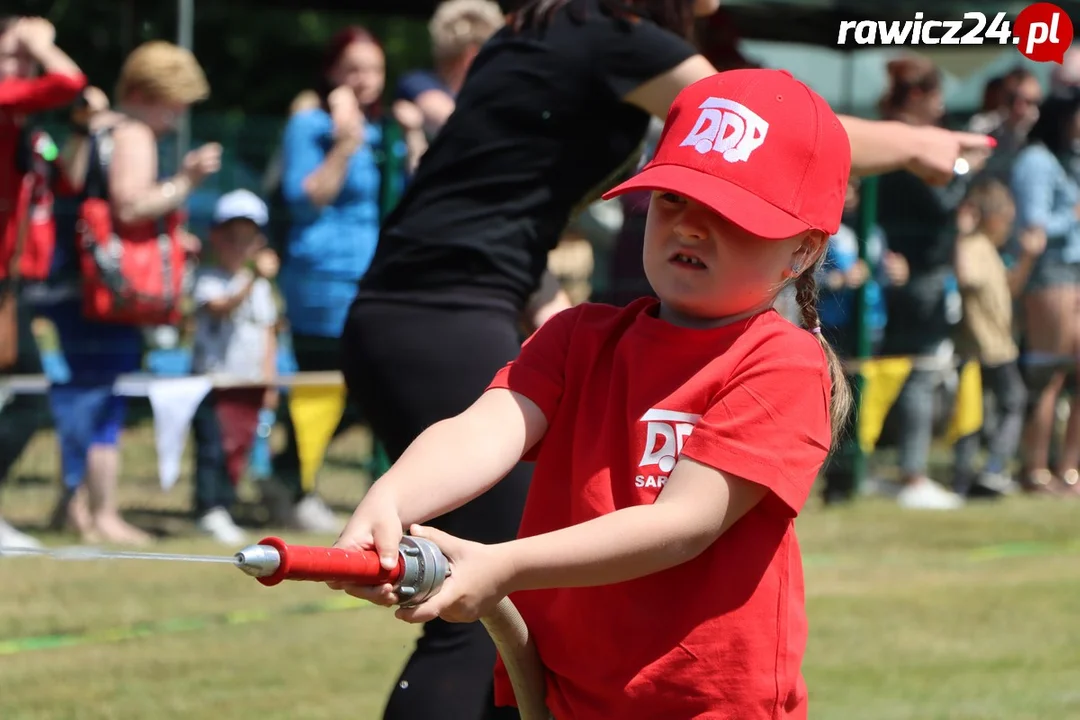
(980, 490)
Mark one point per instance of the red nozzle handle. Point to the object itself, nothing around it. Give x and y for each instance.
(323, 564)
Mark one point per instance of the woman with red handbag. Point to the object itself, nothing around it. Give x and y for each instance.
(128, 262)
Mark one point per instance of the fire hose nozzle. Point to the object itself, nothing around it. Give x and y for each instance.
(419, 574)
(258, 561)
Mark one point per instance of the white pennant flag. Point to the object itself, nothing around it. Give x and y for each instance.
(174, 402)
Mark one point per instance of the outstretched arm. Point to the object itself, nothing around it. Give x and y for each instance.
(930, 152)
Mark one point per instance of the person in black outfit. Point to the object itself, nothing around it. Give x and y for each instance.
(920, 222)
(553, 111)
(552, 108)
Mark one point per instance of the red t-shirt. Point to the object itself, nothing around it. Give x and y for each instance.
(721, 636)
(19, 98)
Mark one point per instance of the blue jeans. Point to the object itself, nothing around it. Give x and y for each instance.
(85, 417)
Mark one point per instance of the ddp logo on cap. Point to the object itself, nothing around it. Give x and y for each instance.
(759, 148)
(726, 127)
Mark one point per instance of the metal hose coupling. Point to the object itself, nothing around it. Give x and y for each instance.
(425, 569)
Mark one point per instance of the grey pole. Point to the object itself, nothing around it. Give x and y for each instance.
(185, 37)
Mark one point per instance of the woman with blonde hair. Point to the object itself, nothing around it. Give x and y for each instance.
(115, 156)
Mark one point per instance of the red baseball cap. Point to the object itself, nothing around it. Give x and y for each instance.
(757, 147)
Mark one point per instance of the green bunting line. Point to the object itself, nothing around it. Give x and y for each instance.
(171, 626)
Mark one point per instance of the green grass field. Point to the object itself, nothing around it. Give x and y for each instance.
(956, 616)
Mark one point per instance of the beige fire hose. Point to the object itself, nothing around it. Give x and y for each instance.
(518, 652)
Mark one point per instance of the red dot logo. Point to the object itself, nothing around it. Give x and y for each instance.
(1043, 32)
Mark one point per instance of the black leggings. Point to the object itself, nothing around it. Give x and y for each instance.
(410, 366)
(26, 413)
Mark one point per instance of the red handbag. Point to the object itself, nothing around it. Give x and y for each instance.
(40, 243)
(27, 230)
(136, 277)
(135, 274)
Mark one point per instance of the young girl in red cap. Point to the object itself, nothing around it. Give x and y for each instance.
(675, 440)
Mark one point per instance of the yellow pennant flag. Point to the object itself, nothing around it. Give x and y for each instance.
(883, 379)
(316, 411)
(967, 415)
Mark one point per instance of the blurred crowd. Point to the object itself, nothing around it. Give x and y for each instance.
(985, 269)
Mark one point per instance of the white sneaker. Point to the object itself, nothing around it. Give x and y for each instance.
(10, 537)
(926, 494)
(218, 523)
(312, 515)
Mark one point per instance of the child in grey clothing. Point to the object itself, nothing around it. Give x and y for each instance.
(235, 339)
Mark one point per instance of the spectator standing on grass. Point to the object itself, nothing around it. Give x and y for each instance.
(988, 289)
(332, 185)
(1048, 203)
(235, 338)
(35, 75)
(921, 224)
(114, 155)
(841, 275)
